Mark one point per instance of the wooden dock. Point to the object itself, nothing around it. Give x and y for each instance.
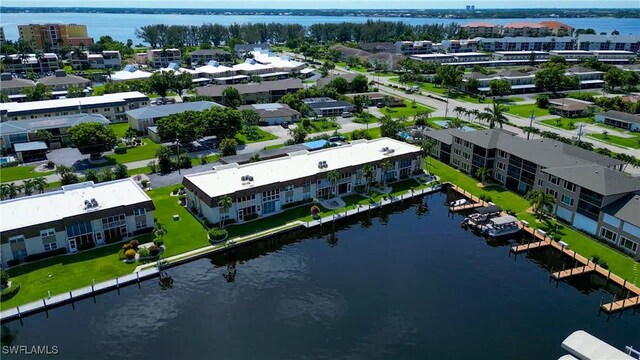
(621, 304)
(529, 246)
(469, 195)
(572, 272)
(465, 207)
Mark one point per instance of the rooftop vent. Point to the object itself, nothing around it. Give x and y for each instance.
(246, 178)
(90, 204)
(384, 149)
(388, 151)
(322, 165)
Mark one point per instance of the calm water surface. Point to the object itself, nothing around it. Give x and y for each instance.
(400, 284)
(122, 26)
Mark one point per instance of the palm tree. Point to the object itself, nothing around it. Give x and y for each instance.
(13, 190)
(459, 110)
(159, 230)
(455, 123)
(368, 172)
(4, 191)
(385, 166)
(40, 184)
(27, 186)
(427, 149)
(108, 71)
(494, 114)
(225, 203)
(39, 57)
(334, 176)
(540, 201)
(482, 174)
(44, 135)
(476, 114)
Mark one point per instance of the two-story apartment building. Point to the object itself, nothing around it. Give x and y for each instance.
(41, 63)
(414, 47)
(78, 217)
(10, 85)
(106, 60)
(267, 187)
(61, 81)
(481, 29)
(523, 43)
(206, 55)
(112, 106)
(609, 42)
(252, 93)
(140, 119)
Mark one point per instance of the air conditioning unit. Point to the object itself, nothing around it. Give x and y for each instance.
(384, 149)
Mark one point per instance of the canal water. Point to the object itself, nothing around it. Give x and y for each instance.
(404, 282)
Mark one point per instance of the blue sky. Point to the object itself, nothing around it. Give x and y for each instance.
(342, 4)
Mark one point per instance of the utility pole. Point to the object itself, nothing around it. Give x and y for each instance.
(580, 133)
(530, 123)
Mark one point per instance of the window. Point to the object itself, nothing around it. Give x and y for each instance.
(141, 224)
(553, 179)
(628, 244)
(139, 212)
(608, 235)
(48, 237)
(499, 177)
(501, 165)
(271, 195)
(552, 193)
(569, 186)
(540, 182)
(502, 154)
(567, 200)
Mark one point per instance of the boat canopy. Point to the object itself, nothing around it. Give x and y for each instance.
(504, 220)
(489, 209)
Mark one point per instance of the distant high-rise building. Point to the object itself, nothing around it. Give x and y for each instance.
(471, 7)
(2, 34)
(49, 37)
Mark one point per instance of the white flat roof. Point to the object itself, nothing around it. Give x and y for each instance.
(470, 54)
(583, 345)
(52, 206)
(59, 103)
(226, 179)
(434, 56)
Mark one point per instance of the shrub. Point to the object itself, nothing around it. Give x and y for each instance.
(50, 164)
(182, 199)
(143, 252)
(120, 150)
(130, 254)
(315, 210)
(542, 101)
(144, 183)
(158, 242)
(217, 234)
(295, 203)
(134, 244)
(126, 247)
(4, 278)
(360, 189)
(46, 254)
(251, 216)
(154, 250)
(305, 123)
(13, 262)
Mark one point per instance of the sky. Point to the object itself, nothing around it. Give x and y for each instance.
(341, 4)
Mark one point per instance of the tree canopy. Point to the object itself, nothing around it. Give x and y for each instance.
(93, 138)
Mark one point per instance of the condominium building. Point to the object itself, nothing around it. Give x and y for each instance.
(105, 60)
(61, 81)
(78, 217)
(2, 38)
(609, 42)
(159, 58)
(481, 29)
(619, 119)
(273, 113)
(414, 47)
(587, 187)
(10, 85)
(521, 43)
(252, 93)
(40, 63)
(112, 106)
(460, 46)
(524, 28)
(267, 187)
(557, 28)
(48, 37)
(324, 106)
(204, 56)
(521, 55)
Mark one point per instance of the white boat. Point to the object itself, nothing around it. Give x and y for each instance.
(500, 226)
(458, 203)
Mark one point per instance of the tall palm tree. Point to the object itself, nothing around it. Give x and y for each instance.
(482, 173)
(540, 201)
(368, 172)
(27, 186)
(459, 110)
(385, 166)
(334, 176)
(40, 184)
(494, 114)
(427, 149)
(476, 114)
(39, 56)
(225, 203)
(455, 123)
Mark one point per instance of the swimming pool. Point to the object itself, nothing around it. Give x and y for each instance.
(7, 159)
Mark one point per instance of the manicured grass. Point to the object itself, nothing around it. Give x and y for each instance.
(146, 151)
(120, 128)
(373, 132)
(383, 74)
(320, 126)
(65, 273)
(13, 173)
(360, 69)
(407, 111)
(264, 136)
(441, 91)
(365, 118)
(631, 142)
(583, 93)
(525, 110)
(619, 263)
(566, 123)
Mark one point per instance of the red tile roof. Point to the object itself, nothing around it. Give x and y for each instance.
(479, 24)
(524, 24)
(555, 25)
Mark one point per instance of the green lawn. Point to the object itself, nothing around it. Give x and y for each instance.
(525, 110)
(365, 118)
(566, 123)
(120, 128)
(14, 173)
(583, 93)
(320, 126)
(360, 69)
(619, 263)
(263, 136)
(383, 74)
(439, 90)
(631, 142)
(276, 146)
(407, 111)
(373, 132)
(143, 152)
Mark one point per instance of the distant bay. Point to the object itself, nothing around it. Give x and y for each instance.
(122, 26)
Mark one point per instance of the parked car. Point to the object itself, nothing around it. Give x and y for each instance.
(347, 114)
(285, 125)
